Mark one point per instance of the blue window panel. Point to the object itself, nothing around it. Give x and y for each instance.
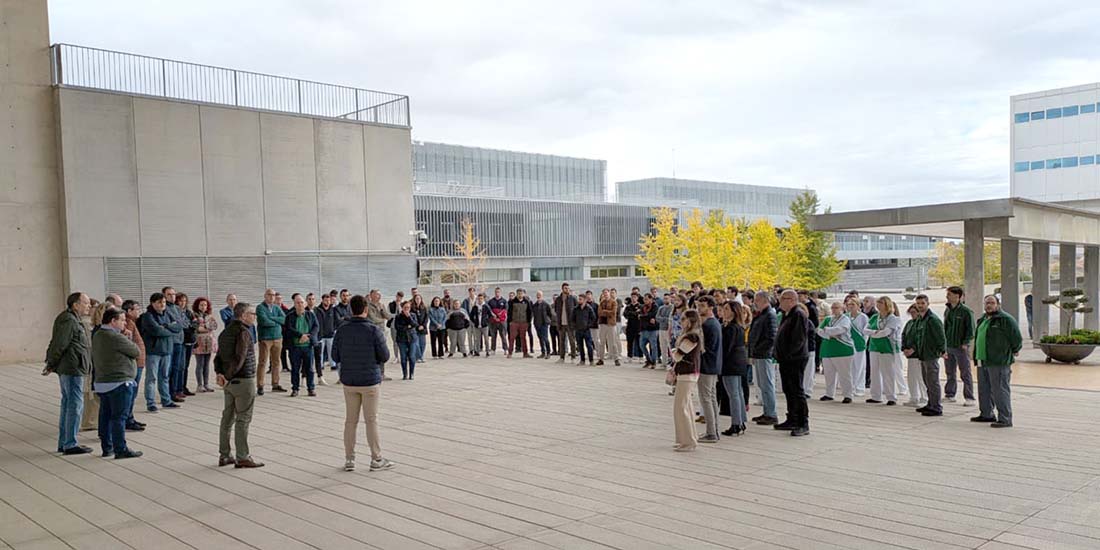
(1054, 163)
(1022, 117)
(1022, 166)
(1090, 108)
(1085, 161)
(1069, 162)
(1036, 165)
(1038, 115)
(1054, 113)
(1069, 111)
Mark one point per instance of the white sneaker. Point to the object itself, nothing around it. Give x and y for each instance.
(948, 399)
(968, 403)
(910, 403)
(380, 464)
(321, 381)
(349, 466)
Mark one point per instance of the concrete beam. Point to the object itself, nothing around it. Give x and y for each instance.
(913, 215)
(1040, 288)
(1092, 286)
(1010, 277)
(1067, 278)
(974, 261)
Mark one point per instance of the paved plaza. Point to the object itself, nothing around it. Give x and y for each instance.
(530, 454)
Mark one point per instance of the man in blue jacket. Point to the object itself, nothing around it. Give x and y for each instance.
(158, 331)
(360, 348)
(710, 366)
(177, 377)
(301, 332)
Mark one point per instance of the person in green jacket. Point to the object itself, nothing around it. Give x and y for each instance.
(115, 359)
(927, 343)
(958, 326)
(270, 319)
(69, 355)
(996, 345)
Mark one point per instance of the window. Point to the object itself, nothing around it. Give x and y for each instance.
(1085, 161)
(1054, 163)
(1069, 111)
(1022, 166)
(1022, 117)
(1069, 162)
(607, 272)
(555, 274)
(1036, 165)
(1090, 108)
(1056, 112)
(639, 271)
(1038, 115)
(425, 278)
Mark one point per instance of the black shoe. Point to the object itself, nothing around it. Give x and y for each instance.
(294, 393)
(788, 425)
(106, 453)
(800, 431)
(599, 363)
(312, 393)
(983, 419)
(826, 398)
(171, 406)
(932, 413)
(873, 401)
(922, 409)
(891, 403)
(127, 454)
(260, 390)
(135, 428)
(766, 420)
(277, 388)
(1000, 425)
(450, 355)
(847, 400)
(142, 424)
(78, 450)
(151, 409)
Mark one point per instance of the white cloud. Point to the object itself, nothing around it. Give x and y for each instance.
(870, 103)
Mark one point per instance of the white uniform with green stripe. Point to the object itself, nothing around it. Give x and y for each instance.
(886, 363)
(837, 350)
(859, 360)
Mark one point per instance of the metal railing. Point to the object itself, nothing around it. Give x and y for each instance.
(83, 67)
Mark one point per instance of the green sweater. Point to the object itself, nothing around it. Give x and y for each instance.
(114, 356)
(927, 338)
(958, 325)
(1002, 341)
(70, 351)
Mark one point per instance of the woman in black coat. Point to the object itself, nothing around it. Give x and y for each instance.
(735, 361)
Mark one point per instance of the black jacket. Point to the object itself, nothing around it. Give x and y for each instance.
(791, 341)
(541, 313)
(457, 320)
(811, 344)
(735, 360)
(326, 321)
(583, 318)
(762, 335)
(343, 313)
(360, 349)
(404, 327)
(570, 306)
(290, 327)
(647, 318)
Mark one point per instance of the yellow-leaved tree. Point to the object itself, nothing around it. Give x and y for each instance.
(951, 259)
(796, 261)
(762, 256)
(659, 254)
(470, 262)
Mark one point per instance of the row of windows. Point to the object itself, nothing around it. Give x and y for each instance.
(555, 274)
(609, 272)
(1051, 164)
(1057, 112)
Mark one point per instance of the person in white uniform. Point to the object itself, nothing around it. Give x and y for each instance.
(884, 332)
(859, 339)
(837, 351)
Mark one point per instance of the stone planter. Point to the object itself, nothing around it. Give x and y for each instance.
(1067, 353)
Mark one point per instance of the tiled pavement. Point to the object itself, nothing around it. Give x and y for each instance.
(532, 454)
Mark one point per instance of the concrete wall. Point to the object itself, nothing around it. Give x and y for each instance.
(31, 277)
(212, 198)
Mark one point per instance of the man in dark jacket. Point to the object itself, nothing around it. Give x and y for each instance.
(564, 306)
(997, 343)
(812, 340)
(498, 322)
(360, 348)
(793, 353)
(927, 344)
(761, 350)
(541, 313)
(327, 321)
(582, 319)
(115, 358)
(520, 314)
(301, 332)
(235, 365)
(69, 355)
(648, 341)
(157, 331)
(710, 366)
(958, 327)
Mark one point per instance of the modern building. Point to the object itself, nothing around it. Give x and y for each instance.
(1055, 138)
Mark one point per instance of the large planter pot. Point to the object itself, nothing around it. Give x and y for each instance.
(1067, 353)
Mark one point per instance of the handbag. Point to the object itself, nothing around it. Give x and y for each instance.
(670, 377)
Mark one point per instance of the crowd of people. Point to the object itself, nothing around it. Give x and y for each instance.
(715, 345)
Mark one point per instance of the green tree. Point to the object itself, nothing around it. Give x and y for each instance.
(950, 268)
(818, 264)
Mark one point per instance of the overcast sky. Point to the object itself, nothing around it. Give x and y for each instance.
(872, 104)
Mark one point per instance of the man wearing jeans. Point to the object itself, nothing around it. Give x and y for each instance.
(360, 348)
(761, 350)
(710, 366)
(927, 344)
(69, 355)
(269, 320)
(648, 336)
(564, 305)
(177, 375)
(157, 330)
(300, 329)
(958, 326)
(115, 357)
(235, 366)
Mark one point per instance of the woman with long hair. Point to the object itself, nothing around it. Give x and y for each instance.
(837, 350)
(884, 331)
(735, 362)
(859, 339)
(685, 364)
(421, 312)
(437, 328)
(918, 391)
(404, 325)
(206, 322)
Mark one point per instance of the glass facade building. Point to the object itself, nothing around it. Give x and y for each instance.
(439, 168)
(738, 200)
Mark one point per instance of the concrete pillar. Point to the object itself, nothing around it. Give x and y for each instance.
(974, 262)
(1010, 277)
(1092, 286)
(1040, 288)
(1067, 278)
(30, 230)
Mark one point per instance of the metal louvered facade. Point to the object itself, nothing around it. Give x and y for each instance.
(247, 277)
